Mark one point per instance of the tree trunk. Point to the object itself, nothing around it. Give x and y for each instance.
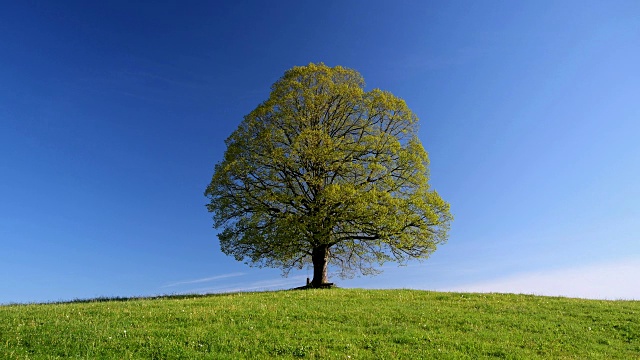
(320, 258)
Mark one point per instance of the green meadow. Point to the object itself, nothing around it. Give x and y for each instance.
(324, 324)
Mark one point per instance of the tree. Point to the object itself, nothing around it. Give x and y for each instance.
(324, 172)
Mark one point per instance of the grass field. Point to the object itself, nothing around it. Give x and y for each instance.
(324, 324)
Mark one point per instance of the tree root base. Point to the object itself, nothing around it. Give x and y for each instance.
(322, 286)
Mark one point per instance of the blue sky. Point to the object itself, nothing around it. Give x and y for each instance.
(113, 115)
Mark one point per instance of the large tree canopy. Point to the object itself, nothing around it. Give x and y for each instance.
(324, 172)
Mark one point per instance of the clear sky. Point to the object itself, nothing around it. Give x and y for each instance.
(113, 115)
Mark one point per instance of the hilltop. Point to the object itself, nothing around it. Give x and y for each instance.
(324, 324)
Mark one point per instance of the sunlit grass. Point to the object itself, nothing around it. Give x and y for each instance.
(324, 324)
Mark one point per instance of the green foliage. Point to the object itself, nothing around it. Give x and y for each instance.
(327, 324)
(323, 163)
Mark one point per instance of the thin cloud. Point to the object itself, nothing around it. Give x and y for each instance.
(290, 282)
(611, 281)
(207, 279)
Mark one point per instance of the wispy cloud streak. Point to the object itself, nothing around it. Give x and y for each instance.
(207, 279)
(256, 285)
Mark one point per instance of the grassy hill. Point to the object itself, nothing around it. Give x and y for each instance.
(324, 324)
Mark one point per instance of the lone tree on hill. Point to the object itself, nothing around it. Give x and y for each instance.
(327, 173)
